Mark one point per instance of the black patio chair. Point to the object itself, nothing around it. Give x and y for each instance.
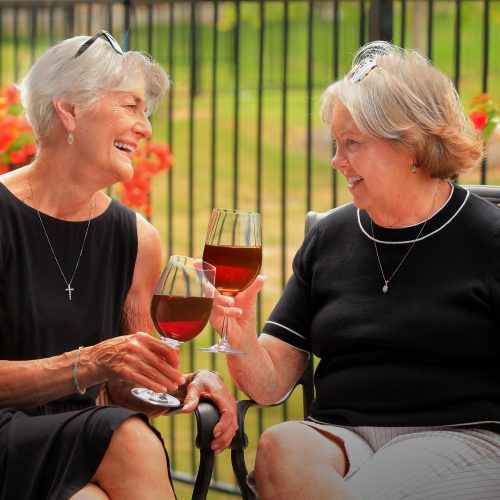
(240, 441)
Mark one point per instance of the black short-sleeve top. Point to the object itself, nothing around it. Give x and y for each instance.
(425, 353)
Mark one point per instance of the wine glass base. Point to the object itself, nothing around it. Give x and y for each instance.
(223, 348)
(155, 398)
(171, 342)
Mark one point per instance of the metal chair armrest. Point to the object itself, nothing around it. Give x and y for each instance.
(207, 415)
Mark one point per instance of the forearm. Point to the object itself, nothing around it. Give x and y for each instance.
(270, 367)
(255, 374)
(35, 382)
(260, 374)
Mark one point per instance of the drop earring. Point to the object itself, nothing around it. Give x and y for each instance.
(70, 137)
(414, 168)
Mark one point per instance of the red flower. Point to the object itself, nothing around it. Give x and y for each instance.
(485, 114)
(479, 119)
(150, 158)
(6, 137)
(17, 140)
(12, 94)
(18, 157)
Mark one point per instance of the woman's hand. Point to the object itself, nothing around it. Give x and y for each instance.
(242, 309)
(208, 384)
(138, 359)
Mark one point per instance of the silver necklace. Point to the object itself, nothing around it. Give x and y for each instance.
(68, 283)
(385, 288)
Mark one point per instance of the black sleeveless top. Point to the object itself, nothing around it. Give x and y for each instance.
(37, 319)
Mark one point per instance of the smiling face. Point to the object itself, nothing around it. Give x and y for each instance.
(377, 170)
(107, 135)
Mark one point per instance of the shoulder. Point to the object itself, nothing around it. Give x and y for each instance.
(148, 262)
(147, 235)
(327, 227)
(336, 217)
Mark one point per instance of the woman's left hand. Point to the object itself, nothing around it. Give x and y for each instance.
(208, 384)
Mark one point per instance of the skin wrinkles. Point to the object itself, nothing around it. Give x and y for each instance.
(392, 195)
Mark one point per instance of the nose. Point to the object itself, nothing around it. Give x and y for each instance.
(143, 128)
(338, 160)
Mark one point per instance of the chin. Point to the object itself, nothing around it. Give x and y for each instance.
(125, 173)
(358, 203)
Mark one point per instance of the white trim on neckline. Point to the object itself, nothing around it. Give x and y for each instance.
(406, 242)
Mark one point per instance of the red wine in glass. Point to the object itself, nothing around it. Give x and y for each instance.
(180, 318)
(234, 246)
(237, 267)
(180, 309)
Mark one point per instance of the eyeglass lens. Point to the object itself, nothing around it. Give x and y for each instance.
(362, 71)
(91, 40)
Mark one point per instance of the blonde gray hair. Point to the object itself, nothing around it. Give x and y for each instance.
(85, 79)
(407, 100)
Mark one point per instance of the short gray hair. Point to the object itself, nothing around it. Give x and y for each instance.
(407, 100)
(84, 80)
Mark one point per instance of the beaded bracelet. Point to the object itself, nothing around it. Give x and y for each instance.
(75, 373)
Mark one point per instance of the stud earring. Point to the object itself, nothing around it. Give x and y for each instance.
(70, 137)
(414, 168)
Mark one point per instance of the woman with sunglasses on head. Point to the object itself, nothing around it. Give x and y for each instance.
(77, 273)
(398, 296)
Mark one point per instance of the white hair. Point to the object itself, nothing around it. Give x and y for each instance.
(403, 98)
(85, 79)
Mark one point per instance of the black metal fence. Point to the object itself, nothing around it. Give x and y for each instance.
(241, 118)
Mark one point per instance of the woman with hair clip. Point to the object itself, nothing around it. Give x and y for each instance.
(398, 296)
(77, 273)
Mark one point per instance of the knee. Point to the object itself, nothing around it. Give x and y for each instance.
(276, 447)
(135, 436)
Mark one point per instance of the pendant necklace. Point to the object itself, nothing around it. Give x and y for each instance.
(385, 288)
(68, 283)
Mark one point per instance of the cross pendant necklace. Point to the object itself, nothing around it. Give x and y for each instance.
(68, 283)
(68, 288)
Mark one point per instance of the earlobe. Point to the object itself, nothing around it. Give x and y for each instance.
(66, 112)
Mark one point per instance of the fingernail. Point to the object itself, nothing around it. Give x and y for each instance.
(182, 380)
(217, 434)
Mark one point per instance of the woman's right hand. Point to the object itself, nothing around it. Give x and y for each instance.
(139, 358)
(242, 309)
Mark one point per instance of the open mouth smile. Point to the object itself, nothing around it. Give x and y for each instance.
(354, 180)
(125, 147)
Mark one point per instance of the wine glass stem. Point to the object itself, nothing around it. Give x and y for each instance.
(223, 338)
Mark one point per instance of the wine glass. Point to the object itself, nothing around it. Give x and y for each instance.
(180, 308)
(234, 246)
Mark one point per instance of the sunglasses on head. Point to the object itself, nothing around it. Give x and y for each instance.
(361, 70)
(92, 39)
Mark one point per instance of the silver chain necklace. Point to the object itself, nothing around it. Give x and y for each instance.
(385, 288)
(68, 283)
